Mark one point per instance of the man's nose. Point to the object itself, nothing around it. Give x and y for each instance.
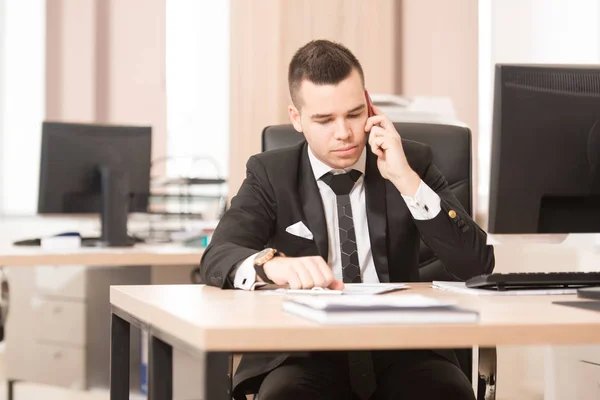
(342, 130)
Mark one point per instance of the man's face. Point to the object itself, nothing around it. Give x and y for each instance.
(333, 118)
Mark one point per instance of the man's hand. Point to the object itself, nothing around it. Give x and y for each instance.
(386, 144)
(301, 273)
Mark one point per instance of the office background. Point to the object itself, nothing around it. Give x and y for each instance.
(209, 75)
(177, 64)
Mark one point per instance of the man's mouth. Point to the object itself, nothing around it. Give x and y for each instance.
(345, 149)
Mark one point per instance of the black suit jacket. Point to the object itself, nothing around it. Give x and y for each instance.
(280, 190)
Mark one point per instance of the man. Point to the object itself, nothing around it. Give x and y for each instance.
(349, 204)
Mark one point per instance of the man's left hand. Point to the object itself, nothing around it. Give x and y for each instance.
(386, 144)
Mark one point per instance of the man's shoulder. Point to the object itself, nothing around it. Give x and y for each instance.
(285, 159)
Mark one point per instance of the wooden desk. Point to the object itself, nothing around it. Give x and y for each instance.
(25, 227)
(215, 323)
(141, 254)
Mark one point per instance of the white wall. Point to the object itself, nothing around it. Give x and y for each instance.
(529, 31)
(2, 62)
(22, 59)
(198, 81)
(197, 59)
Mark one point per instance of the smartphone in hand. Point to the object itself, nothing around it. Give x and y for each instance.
(369, 104)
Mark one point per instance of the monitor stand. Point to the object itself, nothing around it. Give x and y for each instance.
(115, 209)
(589, 299)
(589, 293)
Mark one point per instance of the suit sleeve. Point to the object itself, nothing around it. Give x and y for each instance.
(459, 243)
(243, 230)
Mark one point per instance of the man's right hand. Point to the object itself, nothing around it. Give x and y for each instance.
(301, 273)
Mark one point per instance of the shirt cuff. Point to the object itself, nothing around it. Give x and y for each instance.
(245, 276)
(425, 204)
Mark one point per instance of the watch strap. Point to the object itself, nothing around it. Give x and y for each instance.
(260, 271)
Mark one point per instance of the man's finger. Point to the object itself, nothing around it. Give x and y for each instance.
(375, 144)
(377, 151)
(337, 285)
(378, 131)
(374, 134)
(380, 120)
(306, 280)
(325, 269)
(293, 279)
(316, 274)
(379, 143)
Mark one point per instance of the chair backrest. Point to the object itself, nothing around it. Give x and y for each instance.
(451, 146)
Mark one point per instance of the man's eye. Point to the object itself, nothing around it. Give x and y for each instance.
(324, 121)
(353, 115)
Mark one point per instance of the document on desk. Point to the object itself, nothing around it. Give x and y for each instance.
(359, 310)
(349, 289)
(461, 287)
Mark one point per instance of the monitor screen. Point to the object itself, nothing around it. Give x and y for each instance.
(89, 168)
(545, 162)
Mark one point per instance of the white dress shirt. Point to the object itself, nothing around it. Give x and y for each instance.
(424, 205)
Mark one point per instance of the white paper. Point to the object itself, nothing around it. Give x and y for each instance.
(408, 301)
(354, 289)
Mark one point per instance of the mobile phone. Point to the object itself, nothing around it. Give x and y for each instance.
(369, 104)
(369, 109)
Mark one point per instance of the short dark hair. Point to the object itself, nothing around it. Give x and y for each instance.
(321, 62)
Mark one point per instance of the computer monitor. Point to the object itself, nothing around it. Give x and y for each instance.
(88, 168)
(545, 161)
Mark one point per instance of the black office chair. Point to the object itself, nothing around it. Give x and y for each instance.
(451, 146)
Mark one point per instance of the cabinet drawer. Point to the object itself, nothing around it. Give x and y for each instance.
(588, 387)
(592, 354)
(60, 366)
(61, 281)
(59, 321)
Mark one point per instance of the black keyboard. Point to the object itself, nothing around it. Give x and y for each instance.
(534, 280)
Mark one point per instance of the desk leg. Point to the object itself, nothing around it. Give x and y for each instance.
(218, 367)
(119, 358)
(10, 386)
(160, 369)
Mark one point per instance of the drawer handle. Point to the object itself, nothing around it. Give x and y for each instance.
(57, 310)
(57, 355)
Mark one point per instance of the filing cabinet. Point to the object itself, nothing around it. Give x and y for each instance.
(58, 325)
(572, 372)
(589, 385)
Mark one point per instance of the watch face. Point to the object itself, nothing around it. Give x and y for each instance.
(264, 255)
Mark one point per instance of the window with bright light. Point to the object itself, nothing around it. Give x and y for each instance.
(197, 80)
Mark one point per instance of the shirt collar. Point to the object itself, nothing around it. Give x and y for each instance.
(320, 168)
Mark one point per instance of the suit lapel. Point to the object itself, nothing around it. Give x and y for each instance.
(312, 205)
(375, 197)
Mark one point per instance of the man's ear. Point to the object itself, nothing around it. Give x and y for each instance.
(295, 117)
